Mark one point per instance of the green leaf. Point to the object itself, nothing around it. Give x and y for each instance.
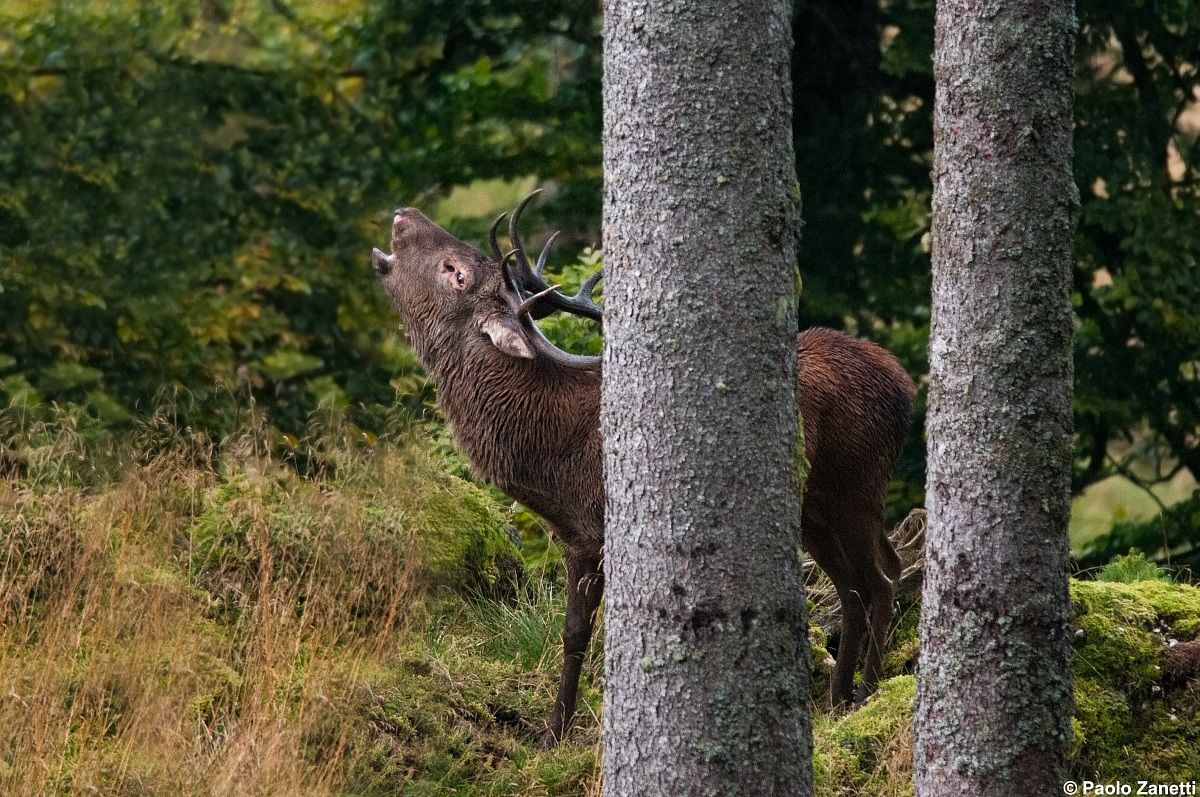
(63, 376)
(19, 391)
(283, 365)
(107, 408)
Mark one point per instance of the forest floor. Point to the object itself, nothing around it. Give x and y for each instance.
(178, 618)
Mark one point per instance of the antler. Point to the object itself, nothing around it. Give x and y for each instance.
(527, 281)
(547, 349)
(524, 304)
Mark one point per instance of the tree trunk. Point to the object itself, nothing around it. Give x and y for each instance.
(707, 685)
(994, 684)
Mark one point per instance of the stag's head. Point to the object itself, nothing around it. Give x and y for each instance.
(451, 296)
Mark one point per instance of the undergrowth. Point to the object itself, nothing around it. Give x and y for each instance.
(344, 615)
(181, 616)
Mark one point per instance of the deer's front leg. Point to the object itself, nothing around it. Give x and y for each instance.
(585, 584)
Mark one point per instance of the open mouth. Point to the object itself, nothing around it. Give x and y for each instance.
(383, 263)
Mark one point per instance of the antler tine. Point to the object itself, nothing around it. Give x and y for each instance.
(538, 298)
(532, 300)
(541, 261)
(492, 235)
(580, 304)
(510, 281)
(585, 290)
(547, 349)
(514, 233)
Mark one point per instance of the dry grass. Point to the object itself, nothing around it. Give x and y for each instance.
(181, 619)
(178, 617)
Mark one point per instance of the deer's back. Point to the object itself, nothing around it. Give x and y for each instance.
(856, 402)
(539, 440)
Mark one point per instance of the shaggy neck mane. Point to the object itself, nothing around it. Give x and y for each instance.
(509, 415)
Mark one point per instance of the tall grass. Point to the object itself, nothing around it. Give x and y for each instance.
(179, 616)
(263, 615)
(333, 615)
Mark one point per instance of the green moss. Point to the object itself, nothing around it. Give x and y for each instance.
(869, 750)
(1177, 606)
(1157, 739)
(822, 662)
(1127, 725)
(1166, 746)
(1114, 641)
(463, 538)
(901, 656)
(1076, 739)
(1103, 724)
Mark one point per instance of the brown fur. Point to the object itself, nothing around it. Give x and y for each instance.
(531, 426)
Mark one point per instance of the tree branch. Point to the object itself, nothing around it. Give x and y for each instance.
(1157, 130)
(1123, 470)
(1096, 457)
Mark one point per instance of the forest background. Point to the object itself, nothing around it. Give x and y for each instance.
(188, 193)
(238, 553)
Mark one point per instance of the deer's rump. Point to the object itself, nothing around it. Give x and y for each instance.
(856, 404)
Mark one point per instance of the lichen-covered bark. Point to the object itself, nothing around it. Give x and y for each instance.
(706, 689)
(994, 684)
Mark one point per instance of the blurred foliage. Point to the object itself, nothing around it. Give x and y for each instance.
(1132, 567)
(863, 88)
(1172, 535)
(188, 192)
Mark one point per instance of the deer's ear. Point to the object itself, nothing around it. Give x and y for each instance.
(507, 336)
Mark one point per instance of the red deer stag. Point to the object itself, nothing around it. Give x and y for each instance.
(526, 414)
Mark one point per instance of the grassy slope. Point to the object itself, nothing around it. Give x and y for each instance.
(181, 621)
(200, 622)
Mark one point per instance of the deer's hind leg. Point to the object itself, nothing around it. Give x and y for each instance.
(880, 571)
(827, 550)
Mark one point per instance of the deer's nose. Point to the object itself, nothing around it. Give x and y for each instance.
(380, 262)
(404, 220)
